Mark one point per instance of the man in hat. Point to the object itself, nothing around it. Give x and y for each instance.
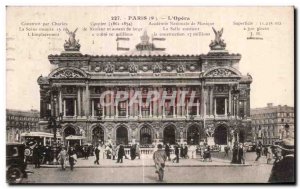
(283, 170)
(159, 158)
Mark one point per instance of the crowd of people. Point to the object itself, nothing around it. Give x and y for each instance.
(283, 155)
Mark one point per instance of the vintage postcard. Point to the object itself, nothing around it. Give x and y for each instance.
(145, 95)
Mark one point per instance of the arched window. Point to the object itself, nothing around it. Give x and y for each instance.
(145, 135)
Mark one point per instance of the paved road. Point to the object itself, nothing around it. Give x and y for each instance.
(252, 174)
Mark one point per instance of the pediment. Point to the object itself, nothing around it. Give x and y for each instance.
(68, 73)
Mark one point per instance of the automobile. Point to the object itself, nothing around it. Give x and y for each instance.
(15, 163)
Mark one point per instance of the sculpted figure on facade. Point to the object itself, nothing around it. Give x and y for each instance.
(218, 43)
(132, 68)
(109, 68)
(180, 68)
(157, 68)
(221, 72)
(71, 44)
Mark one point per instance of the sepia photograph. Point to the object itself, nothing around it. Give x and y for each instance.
(150, 95)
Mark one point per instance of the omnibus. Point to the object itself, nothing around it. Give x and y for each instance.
(31, 139)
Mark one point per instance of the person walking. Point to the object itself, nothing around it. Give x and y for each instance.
(121, 153)
(226, 149)
(181, 151)
(241, 159)
(235, 151)
(167, 150)
(62, 156)
(36, 153)
(176, 151)
(284, 170)
(132, 152)
(72, 158)
(193, 151)
(97, 151)
(138, 151)
(113, 152)
(159, 158)
(258, 151)
(186, 150)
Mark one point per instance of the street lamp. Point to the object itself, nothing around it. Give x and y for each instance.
(54, 125)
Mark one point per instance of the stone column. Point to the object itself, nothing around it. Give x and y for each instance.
(131, 92)
(150, 109)
(187, 108)
(116, 110)
(159, 112)
(60, 101)
(87, 104)
(229, 100)
(75, 108)
(93, 108)
(197, 107)
(215, 107)
(79, 102)
(174, 111)
(211, 100)
(225, 106)
(178, 102)
(155, 105)
(65, 107)
(127, 108)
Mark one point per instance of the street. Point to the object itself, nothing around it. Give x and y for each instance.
(256, 173)
(251, 174)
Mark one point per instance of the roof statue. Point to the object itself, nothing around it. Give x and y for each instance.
(71, 44)
(218, 43)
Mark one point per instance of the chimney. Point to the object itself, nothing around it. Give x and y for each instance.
(269, 104)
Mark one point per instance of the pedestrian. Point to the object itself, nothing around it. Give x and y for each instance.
(108, 152)
(97, 151)
(226, 149)
(167, 150)
(62, 156)
(235, 154)
(72, 157)
(159, 158)
(85, 152)
(36, 153)
(275, 153)
(113, 152)
(186, 150)
(192, 150)
(176, 151)
(102, 151)
(207, 154)
(265, 151)
(181, 151)
(241, 159)
(258, 151)
(132, 152)
(284, 170)
(138, 151)
(269, 155)
(121, 153)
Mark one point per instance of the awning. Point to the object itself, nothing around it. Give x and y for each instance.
(38, 134)
(74, 137)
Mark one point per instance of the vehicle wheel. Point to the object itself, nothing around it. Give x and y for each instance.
(14, 175)
(27, 152)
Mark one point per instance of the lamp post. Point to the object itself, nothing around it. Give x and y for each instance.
(54, 125)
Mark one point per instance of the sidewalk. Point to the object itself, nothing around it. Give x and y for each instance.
(148, 162)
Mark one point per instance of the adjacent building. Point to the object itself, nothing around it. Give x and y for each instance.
(272, 123)
(221, 95)
(18, 122)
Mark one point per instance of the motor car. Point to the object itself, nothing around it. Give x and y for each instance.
(15, 163)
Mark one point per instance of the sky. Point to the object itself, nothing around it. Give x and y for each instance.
(270, 61)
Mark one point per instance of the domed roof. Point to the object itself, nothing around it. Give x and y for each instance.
(145, 48)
